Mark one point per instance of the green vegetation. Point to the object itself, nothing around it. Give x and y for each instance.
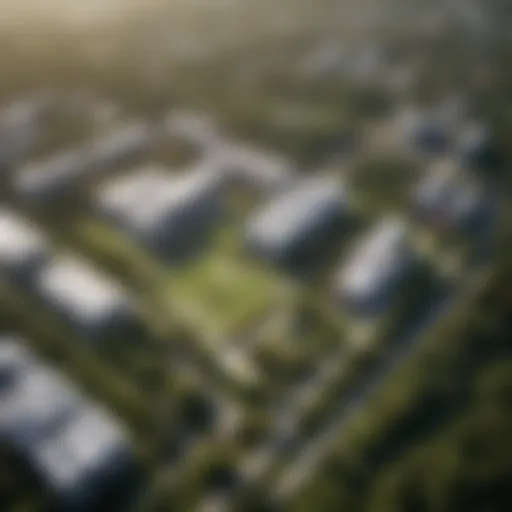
(445, 410)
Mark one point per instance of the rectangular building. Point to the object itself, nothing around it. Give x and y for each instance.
(82, 455)
(450, 200)
(88, 464)
(23, 247)
(53, 178)
(122, 147)
(172, 216)
(376, 268)
(92, 302)
(291, 229)
(59, 175)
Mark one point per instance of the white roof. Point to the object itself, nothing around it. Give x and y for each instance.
(40, 400)
(14, 357)
(193, 126)
(79, 288)
(264, 168)
(286, 218)
(375, 259)
(19, 240)
(54, 171)
(20, 127)
(85, 448)
(121, 143)
(149, 197)
(449, 190)
(130, 190)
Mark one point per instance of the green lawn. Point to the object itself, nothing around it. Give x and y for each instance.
(227, 288)
(221, 292)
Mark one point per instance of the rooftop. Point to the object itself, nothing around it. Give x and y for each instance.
(448, 190)
(87, 447)
(374, 258)
(77, 286)
(36, 405)
(19, 239)
(121, 144)
(52, 173)
(286, 218)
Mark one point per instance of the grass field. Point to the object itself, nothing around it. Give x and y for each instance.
(222, 292)
(228, 288)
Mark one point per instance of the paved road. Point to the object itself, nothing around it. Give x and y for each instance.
(303, 466)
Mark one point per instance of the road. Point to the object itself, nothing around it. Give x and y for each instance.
(304, 464)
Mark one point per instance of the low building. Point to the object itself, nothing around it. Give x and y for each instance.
(59, 176)
(93, 303)
(122, 147)
(292, 229)
(21, 129)
(172, 216)
(15, 360)
(477, 149)
(120, 197)
(424, 132)
(192, 128)
(88, 464)
(81, 455)
(450, 200)
(23, 247)
(252, 167)
(376, 269)
(53, 178)
(35, 407)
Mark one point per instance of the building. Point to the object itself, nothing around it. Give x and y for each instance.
(23, 247)
(53, 178)
(377, 268)
(252, 167)
(15, 360)
(172, 215)
(88, 464)
(122, 147)
(21, 129)
(477, 149)
(58, 176)
(119, 198)
(192, 128)
(93, 303)
(81, 455)
(449, 199)
(292, 229)
(424, 132)
(36, 405)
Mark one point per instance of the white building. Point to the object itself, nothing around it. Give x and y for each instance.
(21, 129)
(80, 453)
(425, 132)
(477, 148)
(294, 226)
(171, 215)
(15, 360)
(60, 175)
(53, 178)
(89, 300)
(87, 463)
(122, 147)
(23, 247)
(448, 198)
(376, 268)
(35, 407)
(192, 128)
(256, 168)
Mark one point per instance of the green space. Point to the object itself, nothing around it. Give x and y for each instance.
(227, 287)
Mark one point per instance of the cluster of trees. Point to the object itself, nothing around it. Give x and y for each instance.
(435, 439)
